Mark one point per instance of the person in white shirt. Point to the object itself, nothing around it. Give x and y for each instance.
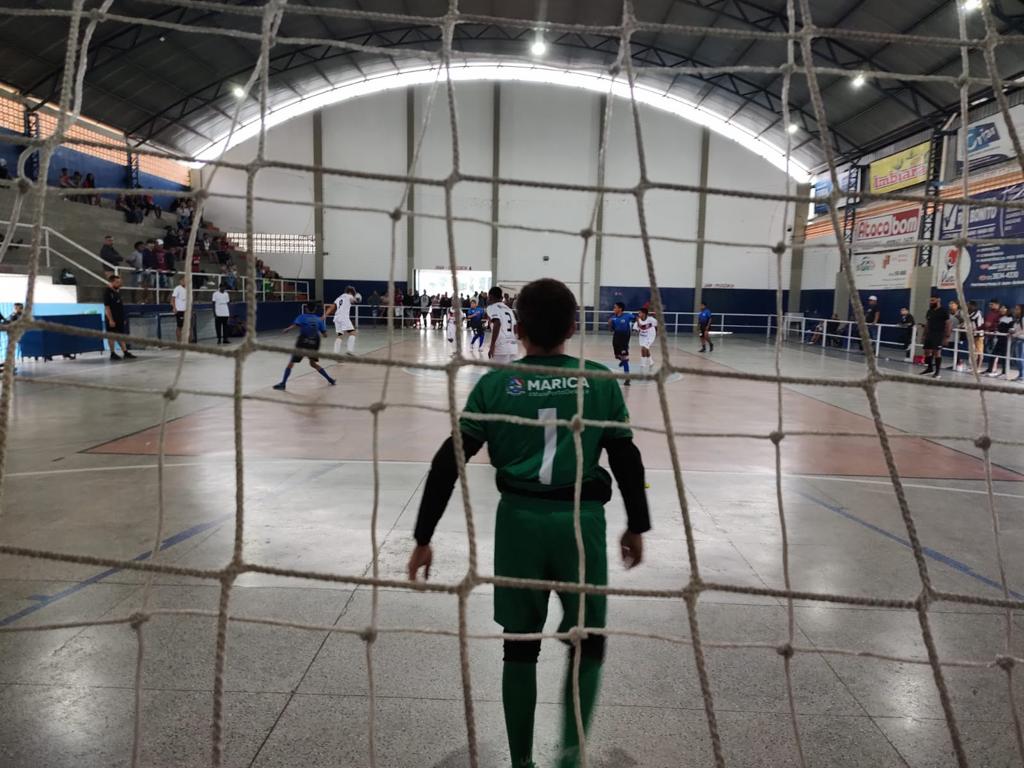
(342, 311)
(179, 303)
(502, 319)
(453, 325)
(221, 313)
(647, 330)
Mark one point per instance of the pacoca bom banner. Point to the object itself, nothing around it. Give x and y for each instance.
(987, 265)
(883, 254)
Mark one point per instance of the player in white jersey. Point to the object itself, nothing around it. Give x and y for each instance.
(452, 316)
(502, 320)
(342, 311)
(647, 329)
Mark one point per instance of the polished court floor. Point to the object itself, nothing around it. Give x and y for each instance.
(81, 477)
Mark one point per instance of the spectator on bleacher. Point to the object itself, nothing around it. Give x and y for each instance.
(136, 261)
(64, 182)
(4, 173)
(197, 268)
(232, 278)
(113, 307)
(90, 183)
(163, 264)
(171, 239)
(76, 179)
(109, 254)
(149, 206)
(185, 213)
(19, 310)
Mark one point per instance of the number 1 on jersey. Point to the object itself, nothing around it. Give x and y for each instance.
(547, 462)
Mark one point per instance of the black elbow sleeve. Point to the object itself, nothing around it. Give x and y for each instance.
(628, 468)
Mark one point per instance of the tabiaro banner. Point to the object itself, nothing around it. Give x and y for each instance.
(883, 250)
(985, 264)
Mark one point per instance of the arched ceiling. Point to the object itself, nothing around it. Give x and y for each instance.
(164, 73)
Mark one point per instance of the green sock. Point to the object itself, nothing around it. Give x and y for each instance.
(519, 697)
(590, 683)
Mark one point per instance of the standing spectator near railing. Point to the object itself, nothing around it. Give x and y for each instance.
(137, 263)
(374, 302)
(179, 303)
(89, 182)
(977, 329)
(991, 321)
(906, 324)
(221, 313)
(113, 308)
(1004, 327)
(1017, 340)
(109, 254)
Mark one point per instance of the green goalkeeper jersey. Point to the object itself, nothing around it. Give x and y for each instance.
(535, 458)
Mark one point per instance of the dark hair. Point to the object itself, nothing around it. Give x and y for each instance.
(620, 304)
(496, 294)
(138, 243)
(547, 312)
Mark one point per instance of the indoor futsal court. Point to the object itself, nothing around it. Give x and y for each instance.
(302, 465)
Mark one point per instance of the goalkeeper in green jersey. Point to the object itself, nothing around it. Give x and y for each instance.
(534, 534)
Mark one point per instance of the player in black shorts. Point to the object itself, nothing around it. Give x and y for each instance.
(937, 326)
(311, 329)
(621, 323)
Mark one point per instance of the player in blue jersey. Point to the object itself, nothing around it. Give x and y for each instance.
(311, 329)
(621, 323)
(475, 316)
(704, 322)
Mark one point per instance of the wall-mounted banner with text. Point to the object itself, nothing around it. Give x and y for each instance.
(989, 141)
(987, 265)
(823, 188)
(901, 170)
(883, 254)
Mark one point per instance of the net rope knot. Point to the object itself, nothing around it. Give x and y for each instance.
(396, 214)
(984, 442)
(1005, 663)
(171, 394)
(576, 423)
(785, 651)
(776, 436)
(136, 620)
(24, 186)
(377, 407)
(368, 635)
(587, 233)
(779, 248)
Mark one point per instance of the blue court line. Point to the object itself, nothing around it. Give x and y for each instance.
(44, 600)
(934, 554)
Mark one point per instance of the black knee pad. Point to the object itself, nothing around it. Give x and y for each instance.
(591, 647)
(524, 651)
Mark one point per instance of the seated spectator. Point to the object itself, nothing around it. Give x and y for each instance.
(171, 239)
(76, 180)
(64, 182)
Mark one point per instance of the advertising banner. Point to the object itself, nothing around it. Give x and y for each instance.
(901, 170)
(882, 256)
(985, 265)
(988, 140)
(823, 188)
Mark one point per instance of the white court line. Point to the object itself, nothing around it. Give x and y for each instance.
(943, 488)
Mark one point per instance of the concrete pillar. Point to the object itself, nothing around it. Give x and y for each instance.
(495, 170)
(318, 201)
(410, 203)
(602, 108)
(796, 265)
(921, 281)
(841, 296)
(702, 218)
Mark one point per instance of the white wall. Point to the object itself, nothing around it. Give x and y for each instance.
(821, 263)
(737, 219)
(475, 109)
(548, 134)
(292, 143)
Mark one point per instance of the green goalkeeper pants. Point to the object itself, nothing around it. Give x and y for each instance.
(536, 539)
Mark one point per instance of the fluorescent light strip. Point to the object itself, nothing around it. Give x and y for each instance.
(511, 72)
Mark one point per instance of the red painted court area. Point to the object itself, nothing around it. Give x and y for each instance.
(302, 425)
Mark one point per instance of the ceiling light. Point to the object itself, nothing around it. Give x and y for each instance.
(793, 128)
(163, 39)
(970, 5)
(539, 47)
(858, 81)
(238, 91)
